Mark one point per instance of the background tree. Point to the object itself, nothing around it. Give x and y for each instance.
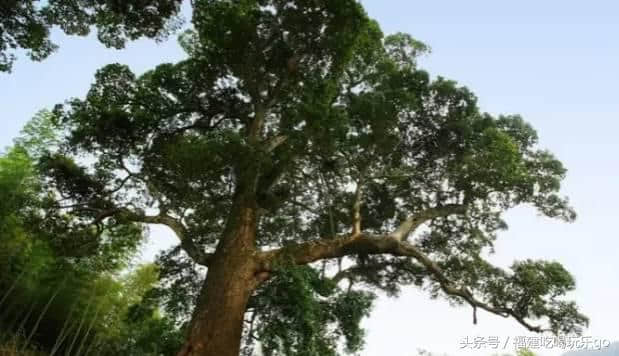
(62, 293)
(304, 159)
(25, 24)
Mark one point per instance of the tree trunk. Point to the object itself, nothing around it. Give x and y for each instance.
(218, 319)
(217, 322)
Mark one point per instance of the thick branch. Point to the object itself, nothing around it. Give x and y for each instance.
(198, 256)
(271, 144)
(391, 244)
(359, 243)
(385, 244)
(351, 272)
(413, 222)
(187, 244)
(255, 126)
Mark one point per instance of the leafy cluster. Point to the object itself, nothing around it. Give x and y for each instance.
(25, 24)
(300, 313)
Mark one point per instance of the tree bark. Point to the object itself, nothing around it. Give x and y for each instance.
(217, 322)
(218, 319)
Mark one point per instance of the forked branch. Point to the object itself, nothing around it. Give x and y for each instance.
(393, 244)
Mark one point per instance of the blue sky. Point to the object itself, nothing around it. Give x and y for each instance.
(554, 62)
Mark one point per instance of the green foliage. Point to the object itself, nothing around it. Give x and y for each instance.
(18, 190)
(300, 313)
(140, 329)
(39, 136)
(51, 284)
(26, 24)
(288, 106)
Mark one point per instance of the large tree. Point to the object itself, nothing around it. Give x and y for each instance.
(302, 157)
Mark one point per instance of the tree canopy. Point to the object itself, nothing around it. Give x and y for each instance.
(25, 24)
(305, 160)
